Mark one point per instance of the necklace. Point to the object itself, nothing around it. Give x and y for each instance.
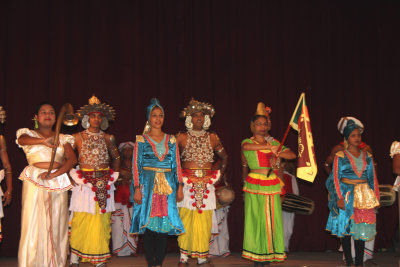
(92, 133)
(196, 133)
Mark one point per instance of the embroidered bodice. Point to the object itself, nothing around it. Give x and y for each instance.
(160, 146)
(260, 159)
(41, 153)
(94, 150)
(147, 155)
(198, 148)
(345, 166)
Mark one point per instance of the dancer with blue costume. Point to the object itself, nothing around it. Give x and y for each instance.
(156, 187)
(353, 194)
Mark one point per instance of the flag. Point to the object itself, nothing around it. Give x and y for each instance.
(306, 162)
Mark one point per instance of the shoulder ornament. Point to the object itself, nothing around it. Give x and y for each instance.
(140, 138)
(340, 154)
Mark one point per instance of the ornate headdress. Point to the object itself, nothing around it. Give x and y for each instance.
(96, 106)
(197, 106)
(262, 110)
(2, 115)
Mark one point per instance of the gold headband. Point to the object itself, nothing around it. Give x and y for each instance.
(197, 106)
(96, 106)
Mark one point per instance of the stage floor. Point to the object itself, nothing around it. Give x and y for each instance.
(295, 259)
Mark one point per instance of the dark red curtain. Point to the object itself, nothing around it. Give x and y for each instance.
(231, 53)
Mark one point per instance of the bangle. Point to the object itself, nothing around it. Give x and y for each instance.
(244, 165)
(7, 193)
(10, 172)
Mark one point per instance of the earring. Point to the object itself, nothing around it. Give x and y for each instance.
(345, 144)
(146, 128)
(188, 123)
(85, 122)
(207, 122)
(36, 125)
(104, 124)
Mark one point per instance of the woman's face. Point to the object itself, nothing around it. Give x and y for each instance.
(198, 120)
(156, 118)
(46, 116)
(354, 138)
(262, 126)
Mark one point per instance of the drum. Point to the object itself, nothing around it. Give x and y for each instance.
(298, 204)
(387, 195)
(225, 195)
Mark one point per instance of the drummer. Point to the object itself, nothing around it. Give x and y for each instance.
(198, 147)
(219, 242)
(369, 245)
(263, 234)
(395, 155)
(289, 178)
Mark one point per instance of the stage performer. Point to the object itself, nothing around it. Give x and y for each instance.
(289, 179)
(156, 187)
(369, 245)
(197, 147)
(92, 199)
(123, 243)
(353, 194)
(44, 216)
(219, 242)
(6, 172)
(263, 231)
(395, 155)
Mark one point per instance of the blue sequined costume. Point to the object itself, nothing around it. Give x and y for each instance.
(342, 222)
(157, 171)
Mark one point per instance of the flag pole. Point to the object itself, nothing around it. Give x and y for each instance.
(302, 95)
(280, 146)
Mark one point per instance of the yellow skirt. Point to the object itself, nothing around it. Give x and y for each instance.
(90, 236)
(195, 241)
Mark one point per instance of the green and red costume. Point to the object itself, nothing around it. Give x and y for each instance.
(263, 230)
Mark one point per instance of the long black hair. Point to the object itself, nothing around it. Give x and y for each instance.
(38, 107)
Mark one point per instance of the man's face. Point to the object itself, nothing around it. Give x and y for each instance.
(95, 119)
(198, 120)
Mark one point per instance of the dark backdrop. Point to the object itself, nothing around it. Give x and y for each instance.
(343, 54)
